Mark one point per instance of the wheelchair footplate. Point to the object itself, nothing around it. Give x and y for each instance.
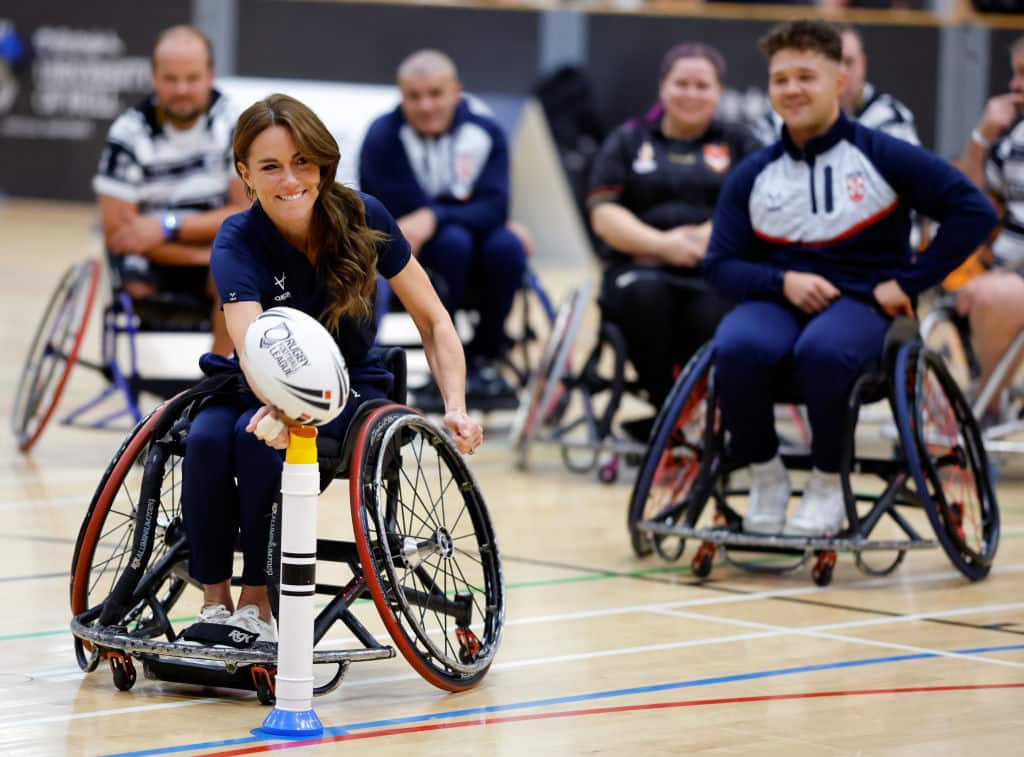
(822, 549)
(251, 669)
(730, 538)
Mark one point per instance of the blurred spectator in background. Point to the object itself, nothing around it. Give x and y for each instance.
(441, 166)
(994, 160)
(653, 190)
(861, 101)
(166, 180)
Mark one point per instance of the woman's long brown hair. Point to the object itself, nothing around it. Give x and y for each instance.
(344, 246)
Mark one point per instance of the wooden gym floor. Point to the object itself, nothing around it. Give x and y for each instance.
(602, 653)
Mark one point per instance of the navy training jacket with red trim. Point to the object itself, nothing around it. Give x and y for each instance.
(841, 208)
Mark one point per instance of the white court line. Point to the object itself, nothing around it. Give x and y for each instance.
(41, 476)
(340, 641)
(114, 713)
(818, 632)
(42, 503)
(759, 631)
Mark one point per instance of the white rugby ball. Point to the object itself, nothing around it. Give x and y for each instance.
(297, 366)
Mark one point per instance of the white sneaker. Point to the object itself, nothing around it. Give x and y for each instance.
(769, 495)
(214, 614)
(248, 619)
(822, 508)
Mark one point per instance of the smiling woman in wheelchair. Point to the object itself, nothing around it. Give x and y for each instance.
(311, 244)
(810, 235)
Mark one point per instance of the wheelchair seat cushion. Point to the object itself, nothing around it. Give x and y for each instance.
(172, 311)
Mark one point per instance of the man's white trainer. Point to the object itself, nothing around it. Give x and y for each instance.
(769, 495)
(822, 508)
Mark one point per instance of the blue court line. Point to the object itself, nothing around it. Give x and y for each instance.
(593, 696)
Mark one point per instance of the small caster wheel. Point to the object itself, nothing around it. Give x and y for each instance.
(665, 552)
(608, 473)
(264, 682)
(821, 573)
(123, 671)
(703, 560)
(469, 646)
(88, 658)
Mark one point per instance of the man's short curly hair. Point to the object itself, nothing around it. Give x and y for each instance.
(805, 34)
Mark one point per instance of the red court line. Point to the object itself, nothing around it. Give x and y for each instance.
(424, 728)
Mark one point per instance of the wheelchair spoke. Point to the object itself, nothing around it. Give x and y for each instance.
(418, 498)
(426, 484)
(470, 555)
(474, 590)
(413, 514)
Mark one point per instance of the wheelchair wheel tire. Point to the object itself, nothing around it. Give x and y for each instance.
(947, 460)
(54, 352)
(532, 316)
(677, 458)
(945, 332)
(543, 402)
(102, 550)
(427, 547)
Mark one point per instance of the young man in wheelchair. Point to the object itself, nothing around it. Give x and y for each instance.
(323, 245)
(440, 164)
(165, 180)
(810, 235)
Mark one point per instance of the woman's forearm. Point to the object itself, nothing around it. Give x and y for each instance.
(621, 229)
(447, 362)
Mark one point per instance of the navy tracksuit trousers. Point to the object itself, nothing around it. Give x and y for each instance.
(826, 352)
(230, 480)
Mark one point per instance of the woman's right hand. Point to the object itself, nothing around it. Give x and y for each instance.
(466, 433)
(267, 425)
(682, 246)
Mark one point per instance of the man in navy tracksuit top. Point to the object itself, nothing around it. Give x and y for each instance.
(441, 168)
(810, 235)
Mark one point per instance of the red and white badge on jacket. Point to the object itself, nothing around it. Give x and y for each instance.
(716, 157)
(856, 186)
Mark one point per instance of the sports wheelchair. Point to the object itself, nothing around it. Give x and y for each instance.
(56, 346)
(532, 315)
(947, 332)
(939, 465)
(576, 410)
(424, 552)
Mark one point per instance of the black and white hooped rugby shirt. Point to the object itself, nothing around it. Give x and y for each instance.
(1004, 177)
(841, 208)
(160, 168)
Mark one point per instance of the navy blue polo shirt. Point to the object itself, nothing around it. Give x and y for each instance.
(252, 262)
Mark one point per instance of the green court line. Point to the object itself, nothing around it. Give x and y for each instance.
(597, 576)
(603, 576)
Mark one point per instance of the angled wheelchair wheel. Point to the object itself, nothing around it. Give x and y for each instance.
(427, 547)
(53, 352)
(533, 316)
(104, 549)
(546, 392)
(679, 460)
(947, 460)
(582, 434)
(945, 332)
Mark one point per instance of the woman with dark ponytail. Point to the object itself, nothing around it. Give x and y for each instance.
(315, 245)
